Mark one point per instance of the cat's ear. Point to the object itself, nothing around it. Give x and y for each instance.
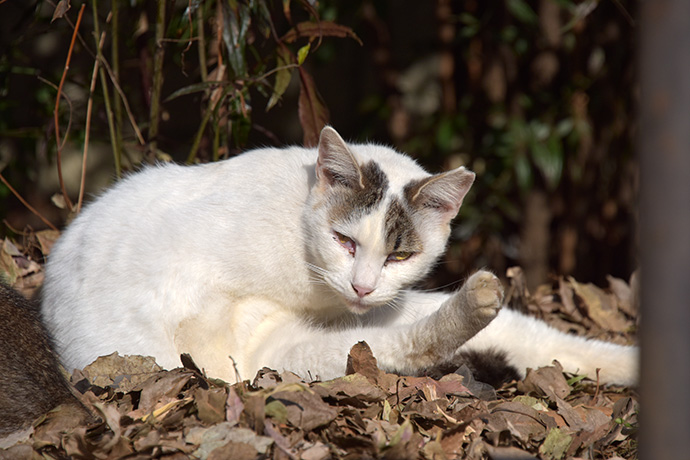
(336, 164)
(442, 192)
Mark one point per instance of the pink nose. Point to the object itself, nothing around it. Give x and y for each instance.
(362, 290)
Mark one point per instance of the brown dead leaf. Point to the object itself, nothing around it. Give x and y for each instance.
(210, 404)
(160, 391)
(221, 434)
(19, 452)
(517, 294)
(121, 372)
(46, 239)
(353, 389)
(305, 409)
(266, 378)
(546, 381)
(523, 421)
(362, 360)
(312, 111)
(22, 273)
(319, 29)
(233, 406)
(148, 441)
(317, 451)
(61, 9)
(600, 306)
(582, 418)
(255, 412)
(508, 453)
(235, 451)
(567, 293)
(624, 295)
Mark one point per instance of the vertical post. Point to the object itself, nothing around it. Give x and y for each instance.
(665, 228)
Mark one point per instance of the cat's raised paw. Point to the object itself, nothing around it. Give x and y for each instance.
(484, 293)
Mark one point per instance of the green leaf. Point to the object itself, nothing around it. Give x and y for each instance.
(283, 76)
(303, 53)
(548, 158)
(286, 10)
(194, 88)
(276, 410)
(523, 171)
(236, 21)
(556, 444)
(522, 11)
(576, 379)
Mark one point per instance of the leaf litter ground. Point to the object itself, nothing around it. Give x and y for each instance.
(145, 412)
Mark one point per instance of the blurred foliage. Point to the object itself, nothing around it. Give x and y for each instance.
(536, 96)
(178, 80)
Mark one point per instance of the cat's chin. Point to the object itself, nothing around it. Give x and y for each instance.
(358, 307)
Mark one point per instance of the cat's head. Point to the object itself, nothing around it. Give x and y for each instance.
(376, 221)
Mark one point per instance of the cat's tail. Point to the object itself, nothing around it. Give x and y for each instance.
(530, 343)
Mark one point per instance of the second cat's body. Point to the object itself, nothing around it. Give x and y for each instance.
(31, 382)
(286, 258)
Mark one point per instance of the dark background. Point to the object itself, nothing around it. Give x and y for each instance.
(538, 97)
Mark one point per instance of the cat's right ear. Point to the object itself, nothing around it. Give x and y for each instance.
(336, 164)
(441, 193)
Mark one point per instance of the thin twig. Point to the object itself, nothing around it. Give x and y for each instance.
(201, 44)
(57, 107)
(596, 392)
(117, 103)
(204, 121)
(87, 128)
(114, 145)
(158, 56)
(190, 39)
(130, 115)
(69, 102)
(25, 203)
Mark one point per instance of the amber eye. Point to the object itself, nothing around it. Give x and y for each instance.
(399, 256)
(346, 242)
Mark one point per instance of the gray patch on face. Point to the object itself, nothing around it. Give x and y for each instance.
(351, 201)
(400, 230)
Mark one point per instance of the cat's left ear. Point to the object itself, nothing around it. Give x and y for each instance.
(336, 164)
(441, 193)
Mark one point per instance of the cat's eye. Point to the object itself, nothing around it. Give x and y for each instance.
(346, 242)
(399, 256)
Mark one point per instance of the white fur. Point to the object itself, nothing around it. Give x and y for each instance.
(236, 263)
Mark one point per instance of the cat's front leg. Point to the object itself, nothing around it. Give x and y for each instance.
(292, 344)
(437, 337)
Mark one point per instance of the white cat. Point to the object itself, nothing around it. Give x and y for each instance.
(286, 258)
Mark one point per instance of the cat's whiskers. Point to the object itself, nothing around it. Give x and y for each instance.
(453, 285)
(317, 275)
(397, 304)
